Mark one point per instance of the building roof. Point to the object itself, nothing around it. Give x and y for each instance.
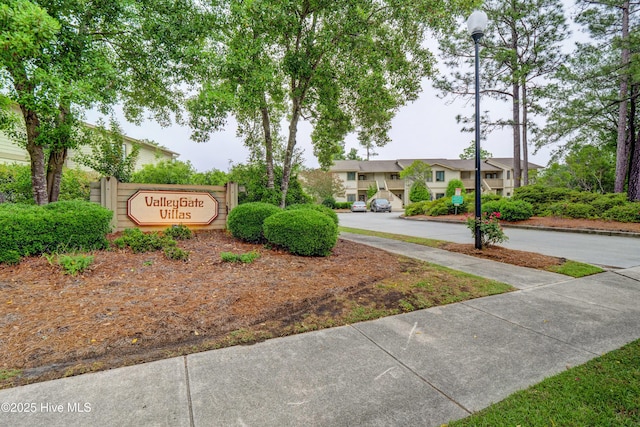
(492, 164)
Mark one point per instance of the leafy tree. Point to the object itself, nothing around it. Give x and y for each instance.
(418, 171)
(165, 172)
(108, 156)
(57, 58)
(346, 66)
(585, 168)
(521, 52)
(212, 177)
(253, 178)
(321, 185)
(451, 187)
(470, 152)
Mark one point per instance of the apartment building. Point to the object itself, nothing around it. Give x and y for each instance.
(383, 176)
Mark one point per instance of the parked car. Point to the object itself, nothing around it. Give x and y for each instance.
(380, 205)
(359, 207)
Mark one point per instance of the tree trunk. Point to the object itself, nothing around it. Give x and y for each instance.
(517, 167)
(58, 155)
(36, 154)
(57, 158)
(633, 191)
(622, 148)
(291, 145)
(268, 144)
(525, 147)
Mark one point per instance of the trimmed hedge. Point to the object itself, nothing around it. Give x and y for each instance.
(303, 232)
(510, 210)
(571, 210)
(245, 221)
(319, 208)
(61, 226)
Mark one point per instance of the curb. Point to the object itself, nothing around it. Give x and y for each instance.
(538, 227)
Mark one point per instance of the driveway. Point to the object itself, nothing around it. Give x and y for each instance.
(605, 251)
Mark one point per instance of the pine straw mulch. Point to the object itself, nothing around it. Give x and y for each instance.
(131, 308)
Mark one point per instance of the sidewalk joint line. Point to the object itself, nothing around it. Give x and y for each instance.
(423, 379)
(188, 384)
(526, 328)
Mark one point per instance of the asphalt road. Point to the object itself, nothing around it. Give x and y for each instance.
(606, 251)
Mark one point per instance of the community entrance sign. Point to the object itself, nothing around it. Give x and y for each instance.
(150, 207)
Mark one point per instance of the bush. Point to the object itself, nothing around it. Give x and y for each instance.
(419, 192)
(451, 187)
(604, 202)
(329, 202)
(302, 232)
(629, 212)
(419, 208)
(245, 221)
(571, 210)
(320, 208)
(343, 205)
(510, 210)
(61, 226)
(140, 242)
(490, 229)
(179, 232)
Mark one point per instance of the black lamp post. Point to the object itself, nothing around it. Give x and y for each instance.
(477, 23)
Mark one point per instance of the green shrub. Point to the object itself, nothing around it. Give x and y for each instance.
(140, 242)
(419, 192)
(175, 253)
(329, 202)
(320, 208)
(445, 206)
(245, 258)
(245, 221)
(302, 232)
(179, 232)
(419, 208)
(451, 187)
(343, 205)
(489, 197)
(604, 202)
(571, 210)
(68, 225)
(629, 212)
(510, 210)
(74, 264)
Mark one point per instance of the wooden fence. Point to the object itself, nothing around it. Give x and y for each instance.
(158, 206)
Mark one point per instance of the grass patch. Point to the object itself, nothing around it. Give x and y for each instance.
(603, 392)
(433, 243)
(6, 374)
(568, 268)
(576, 269)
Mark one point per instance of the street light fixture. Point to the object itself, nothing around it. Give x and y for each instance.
(477, 23)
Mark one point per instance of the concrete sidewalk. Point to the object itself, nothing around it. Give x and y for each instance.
(418, 369)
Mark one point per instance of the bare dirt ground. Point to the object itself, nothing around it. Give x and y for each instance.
(129, 308)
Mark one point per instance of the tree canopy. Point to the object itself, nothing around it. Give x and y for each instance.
(343, 66)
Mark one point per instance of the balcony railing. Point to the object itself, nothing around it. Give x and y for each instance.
(395, 184)
(364, 184)
(470, 184)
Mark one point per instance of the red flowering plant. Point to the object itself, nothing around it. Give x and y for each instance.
(490, 228)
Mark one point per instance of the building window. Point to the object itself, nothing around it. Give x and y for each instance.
(351, 176)
(491, 176)
(439, 195)
(362, 177)
(395, 177)
(430, 177)
(439, 176)
(508, 174)
(351, 197)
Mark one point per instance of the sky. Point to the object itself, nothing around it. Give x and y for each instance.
(425, 128)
